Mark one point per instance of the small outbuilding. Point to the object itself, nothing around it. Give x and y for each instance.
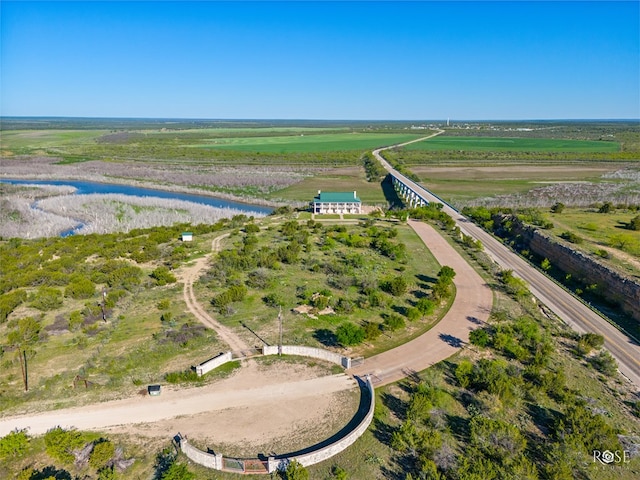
(153, 390)
(336, 202)
(187, 236)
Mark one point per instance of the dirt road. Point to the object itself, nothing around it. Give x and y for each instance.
(191, 274)
(471, 308)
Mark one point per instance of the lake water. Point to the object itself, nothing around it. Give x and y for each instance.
(86, 188)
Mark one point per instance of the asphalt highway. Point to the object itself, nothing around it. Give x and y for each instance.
(567, 307)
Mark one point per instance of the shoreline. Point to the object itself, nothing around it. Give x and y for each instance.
(148, 185)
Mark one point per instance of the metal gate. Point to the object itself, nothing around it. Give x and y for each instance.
(255, 465)
(357, 361)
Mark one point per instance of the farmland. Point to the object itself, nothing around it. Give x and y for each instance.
(495, 144)
(309, 143)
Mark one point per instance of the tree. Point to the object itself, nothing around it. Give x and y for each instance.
(557, 207)
(634, 224)
(607, 207)
(447, 274)
(545, 264)
(294, 471)
(350, 334)
(23, 338)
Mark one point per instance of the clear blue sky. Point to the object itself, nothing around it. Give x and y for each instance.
(325, 60)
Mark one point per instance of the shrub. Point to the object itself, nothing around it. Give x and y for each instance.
(372, 330)
(14, 444)
(350, 334)
(634, 223)
(413, 313)
(607, 207)
(294, 471)
(60, 443)
(163, 276)
(80, 288)
(178, 471)
(273, 300)
(464, 373)
(47, 298)
(9, 301)
(557, 207)
(397, 286)
(102, 452)
(571, 237)
(479, 337)
(604, 363)
(588, 342)
(393, 322)
(426, 306)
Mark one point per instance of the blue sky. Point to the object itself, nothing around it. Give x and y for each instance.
(321, 60)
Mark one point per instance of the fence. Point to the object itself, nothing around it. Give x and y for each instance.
(309, 352)
(212, 363)
(256, 465)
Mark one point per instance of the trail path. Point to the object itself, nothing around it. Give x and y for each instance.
(191, 274)
(281, 386)
(470, 309)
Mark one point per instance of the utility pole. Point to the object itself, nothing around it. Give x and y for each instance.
(104, 302)
(280, 341)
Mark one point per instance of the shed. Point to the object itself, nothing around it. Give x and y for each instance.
(187, 236)
(153, 390)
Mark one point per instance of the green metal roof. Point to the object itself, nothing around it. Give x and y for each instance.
(325, 197)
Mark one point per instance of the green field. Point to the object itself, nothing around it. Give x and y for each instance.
(492, 144)
(308, 143)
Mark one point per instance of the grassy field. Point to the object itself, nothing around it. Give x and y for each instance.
(292, 281)
(308, 143)
(460, 184)
(603, 231)
(344, 179)
(495, 144)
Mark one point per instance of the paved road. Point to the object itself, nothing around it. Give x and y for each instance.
(571, 310)
(470, 309)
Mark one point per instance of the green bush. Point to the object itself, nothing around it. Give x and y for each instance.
(80, 288)
(479, 338)
(47, 298)
(393, 322)
(426, 306)
(350, 334)
(9, 301)
(396, 286)
(163, 276)
(14, 444)
(178, 471)
(102, 452)
(60, 443)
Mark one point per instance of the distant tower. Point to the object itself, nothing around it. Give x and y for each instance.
(447, 122)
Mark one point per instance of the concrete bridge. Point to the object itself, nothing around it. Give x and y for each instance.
(406, 191)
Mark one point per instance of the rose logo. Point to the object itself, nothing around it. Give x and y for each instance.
(607, 457)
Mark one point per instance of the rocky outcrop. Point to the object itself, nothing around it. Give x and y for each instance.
(613, 285)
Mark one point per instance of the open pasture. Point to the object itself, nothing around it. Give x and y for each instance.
(493, 144)
(308, 143)
(459, 185)
(35, 139)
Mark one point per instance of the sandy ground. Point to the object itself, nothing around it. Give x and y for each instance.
(257, 405)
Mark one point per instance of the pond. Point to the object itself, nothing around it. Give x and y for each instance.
(86, 188)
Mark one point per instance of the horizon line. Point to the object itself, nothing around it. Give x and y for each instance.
(239, 119)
